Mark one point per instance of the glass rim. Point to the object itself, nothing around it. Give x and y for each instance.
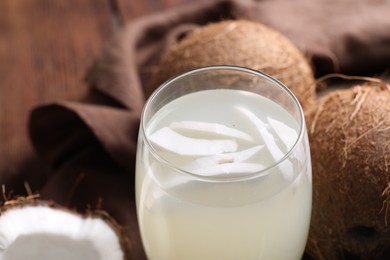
(226, 179)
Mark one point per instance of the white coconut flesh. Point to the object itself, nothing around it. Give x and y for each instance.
(172, 141)
(209, 130)
(270, 142)
(218, 150)
(286, 134)
(43, 233)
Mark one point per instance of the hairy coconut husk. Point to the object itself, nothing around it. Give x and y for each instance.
(240, 43)
(87, 231)
(349, 136)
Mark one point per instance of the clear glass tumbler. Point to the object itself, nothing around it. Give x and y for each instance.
(223, 168)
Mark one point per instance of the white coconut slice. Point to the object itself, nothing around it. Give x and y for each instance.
(174, 142)
(230, 169)
(286, 134)
(268, 139)
(37, 232)
(214, 160)
(207, 130)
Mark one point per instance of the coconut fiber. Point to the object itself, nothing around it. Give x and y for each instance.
(90, 144)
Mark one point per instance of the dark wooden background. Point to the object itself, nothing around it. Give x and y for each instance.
(45, 48)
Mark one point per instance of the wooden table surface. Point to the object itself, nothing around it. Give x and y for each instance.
(45, 48)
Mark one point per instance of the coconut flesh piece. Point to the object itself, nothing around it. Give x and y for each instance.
(209, 130)
(174, 142)
(286, 168)
(43, 232)
(286, 134)
(209, 162)
(214, 156)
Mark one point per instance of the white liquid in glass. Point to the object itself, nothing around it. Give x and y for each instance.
(261, 217)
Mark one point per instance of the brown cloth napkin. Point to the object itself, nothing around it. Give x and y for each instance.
(90, 144)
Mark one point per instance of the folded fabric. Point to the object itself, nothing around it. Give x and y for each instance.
(90, 144)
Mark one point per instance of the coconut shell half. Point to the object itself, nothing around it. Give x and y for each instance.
(42, 230)
(240, 43)
(349, 136)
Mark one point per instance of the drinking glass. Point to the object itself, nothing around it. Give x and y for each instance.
(223, 168)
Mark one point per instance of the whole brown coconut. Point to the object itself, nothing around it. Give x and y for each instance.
(241, 43)
(349, 136)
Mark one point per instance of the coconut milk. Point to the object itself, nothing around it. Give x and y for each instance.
(230, 215)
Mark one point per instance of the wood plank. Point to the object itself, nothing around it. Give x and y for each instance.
(45, 48)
